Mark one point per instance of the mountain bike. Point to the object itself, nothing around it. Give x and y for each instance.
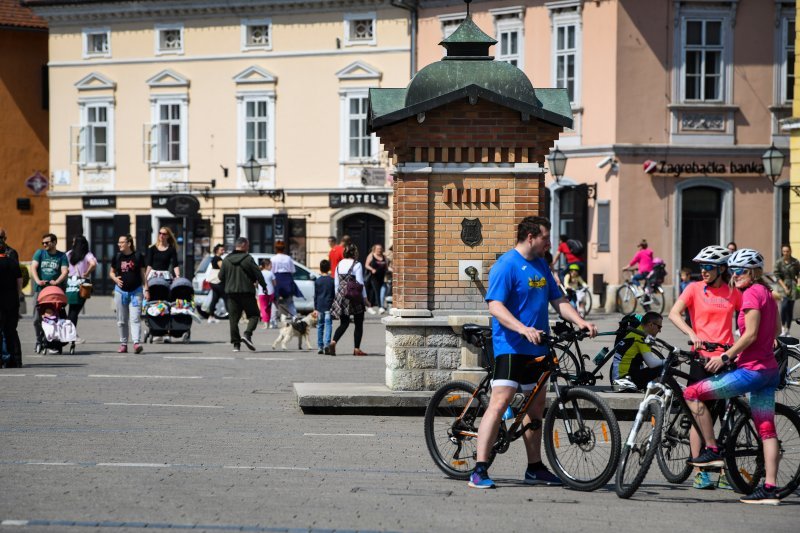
(631, 296)
(580, 432)
(788, 392)
(662, 425)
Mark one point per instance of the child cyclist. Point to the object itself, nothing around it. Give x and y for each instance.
(638, 365)
(576, 288)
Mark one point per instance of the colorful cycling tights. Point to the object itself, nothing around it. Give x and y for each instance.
(759, 383)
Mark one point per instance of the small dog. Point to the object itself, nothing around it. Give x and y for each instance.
(288, 331)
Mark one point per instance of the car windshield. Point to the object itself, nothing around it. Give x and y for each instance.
(203, 264)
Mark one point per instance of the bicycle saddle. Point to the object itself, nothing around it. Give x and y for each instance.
(789, 341)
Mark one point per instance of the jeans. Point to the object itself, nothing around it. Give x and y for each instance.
(129, 313)
(324, 329)
(787, 310)
(239, 303)
(382, 302)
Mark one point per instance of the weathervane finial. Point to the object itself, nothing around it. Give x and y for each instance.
(468, 2)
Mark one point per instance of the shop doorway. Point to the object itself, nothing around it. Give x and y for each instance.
(783, 221)
(701, 216)
(572, 218)
(103, 243)
(365, 230)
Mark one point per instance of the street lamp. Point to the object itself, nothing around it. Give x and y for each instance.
(252, 172)
(773, 163)
(558, 162)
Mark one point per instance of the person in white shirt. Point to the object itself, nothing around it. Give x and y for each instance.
(265, 298)
(343, 306)
(285, 287)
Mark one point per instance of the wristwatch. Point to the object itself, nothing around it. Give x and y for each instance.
(725, 358)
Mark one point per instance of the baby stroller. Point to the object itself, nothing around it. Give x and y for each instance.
(58, 331)
(157, 310)
(182, 310)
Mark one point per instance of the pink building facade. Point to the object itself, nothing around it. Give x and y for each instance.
(674, 104)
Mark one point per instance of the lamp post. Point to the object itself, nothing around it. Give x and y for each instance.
(773, 163)
(558, 162)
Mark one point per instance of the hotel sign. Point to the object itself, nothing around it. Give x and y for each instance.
(348, 199)
(704, 167)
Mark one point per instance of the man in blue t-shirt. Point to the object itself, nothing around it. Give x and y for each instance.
(520, 287)
(48, 267)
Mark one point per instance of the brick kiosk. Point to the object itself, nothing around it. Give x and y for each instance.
(468, 136)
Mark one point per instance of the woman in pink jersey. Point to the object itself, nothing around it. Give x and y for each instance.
(756, 373)
(711, 304)
(642, 260)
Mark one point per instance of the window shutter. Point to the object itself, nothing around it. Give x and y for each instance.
(603, 226)
(122, 225)
(150, 147)
(77, 142)
(144, 231)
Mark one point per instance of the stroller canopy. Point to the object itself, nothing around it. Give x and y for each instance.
(52, 295)
(181, 289)
(159, 289)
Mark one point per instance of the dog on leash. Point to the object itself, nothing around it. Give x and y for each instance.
(299, 329)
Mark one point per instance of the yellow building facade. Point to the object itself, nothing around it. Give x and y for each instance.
(153, 99)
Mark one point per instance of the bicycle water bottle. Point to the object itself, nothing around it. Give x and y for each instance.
(601, 355)
(513, 408)
(509, 414)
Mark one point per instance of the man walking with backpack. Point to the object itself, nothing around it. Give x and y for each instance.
(573, 251)
(239, 274)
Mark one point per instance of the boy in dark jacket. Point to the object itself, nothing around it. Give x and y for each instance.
(323, 300)
(239, 275)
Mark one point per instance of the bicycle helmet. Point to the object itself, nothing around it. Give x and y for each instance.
(715, 255)
(746, 258)
(573, 266)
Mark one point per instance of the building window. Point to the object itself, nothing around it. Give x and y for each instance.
(93, 139)
(359, 28)
(256, 129)
(787, 60)
(509, 31)
(169, 39)
(256, 132)
(257, 34)
(97, 134)
(359, 140)
(702, 60)
(96, 42)
(165, 138)
(566, 58)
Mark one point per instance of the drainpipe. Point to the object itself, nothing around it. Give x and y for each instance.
(411, 6)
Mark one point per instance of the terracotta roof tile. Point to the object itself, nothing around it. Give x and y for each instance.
(12, 13)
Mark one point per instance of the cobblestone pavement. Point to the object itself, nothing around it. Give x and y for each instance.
(193, 435)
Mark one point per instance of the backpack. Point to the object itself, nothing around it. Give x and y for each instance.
(353, 290)
(659, 273)
(575, 247)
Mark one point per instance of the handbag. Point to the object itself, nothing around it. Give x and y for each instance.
(85, 290)
(353, 290)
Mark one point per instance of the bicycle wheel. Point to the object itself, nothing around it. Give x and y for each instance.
(587, 302)
(584, 448)
(638, 452)
(570, 364)
(790, 394)
(744, 462)
(656, 302)
(674, 450)
(451, 428)
(626, 300)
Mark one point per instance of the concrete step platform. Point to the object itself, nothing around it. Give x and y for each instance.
(377, 398)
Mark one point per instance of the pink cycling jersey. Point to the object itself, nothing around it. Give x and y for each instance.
(759, 355)
(644, 258)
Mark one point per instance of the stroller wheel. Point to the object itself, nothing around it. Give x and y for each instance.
(72, 348)
(38, 348)
(185, 337)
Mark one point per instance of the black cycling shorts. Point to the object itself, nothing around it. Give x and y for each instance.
(698, 372)
(517, 370)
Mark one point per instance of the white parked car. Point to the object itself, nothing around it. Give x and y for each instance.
(304, 277)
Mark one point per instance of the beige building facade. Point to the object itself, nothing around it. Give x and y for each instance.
(157, 98)
(674, 104)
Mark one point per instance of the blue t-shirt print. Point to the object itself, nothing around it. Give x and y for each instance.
(525, 288)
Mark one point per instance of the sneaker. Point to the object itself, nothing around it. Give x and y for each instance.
(371, 310)
(702, 480)
(722, 482)
(542, 477)
(51, 351)
(123, 348)
(137, 348)
(79, 340)
(236, 347)
(212, 320)
(381, 310)
(248, 341)
(707, 458)
(625, 385)
(158, 340)
(480, 480)
(359, 353)
(320, 351)
(762, 496)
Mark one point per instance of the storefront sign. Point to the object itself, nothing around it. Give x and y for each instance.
(37, 183)
(230, 228)
(99, 202)
(704, 167)
(280, 224)
(360, 198)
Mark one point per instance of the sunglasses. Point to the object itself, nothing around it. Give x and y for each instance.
(708, 268)
(739, 271)
(46, 243)
(162, 233)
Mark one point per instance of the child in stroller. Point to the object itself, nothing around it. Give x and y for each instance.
(58, 331)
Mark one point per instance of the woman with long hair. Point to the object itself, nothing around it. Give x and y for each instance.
(81, 265)
(377, 264)
(162, 257)
(344, 305)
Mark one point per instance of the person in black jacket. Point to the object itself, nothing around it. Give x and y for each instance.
(323, 300)
(239, 275)
(10, 284)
